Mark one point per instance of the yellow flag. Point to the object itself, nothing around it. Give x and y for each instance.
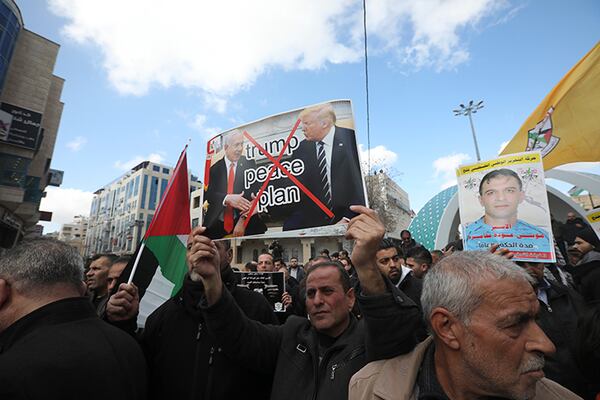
(565, 127)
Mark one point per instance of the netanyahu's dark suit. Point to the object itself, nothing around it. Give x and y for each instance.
(346, 182)
(216, 192)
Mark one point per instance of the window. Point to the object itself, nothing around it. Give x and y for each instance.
(136, 185)
(238, 258)
(163, 187)
(153, 193)
(144, 186)
(196, 201)
(148, 220)
(166, 171)
(156, 168)
(195, 222)
(14, 170)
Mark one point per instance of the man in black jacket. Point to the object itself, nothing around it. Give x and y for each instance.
(390, 264)
(184, 359)
(314, 358)
(52, 343)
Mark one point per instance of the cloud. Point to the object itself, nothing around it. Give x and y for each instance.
(215, 102)
(77, 143)
(445, 168)
(381, 157)
(126, 165)
(198, 123)
(64, 203)
(502, 146)
(221, 47)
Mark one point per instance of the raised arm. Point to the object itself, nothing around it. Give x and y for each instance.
(366, 230)
(249, 342)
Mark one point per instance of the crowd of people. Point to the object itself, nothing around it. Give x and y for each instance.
(388, 320)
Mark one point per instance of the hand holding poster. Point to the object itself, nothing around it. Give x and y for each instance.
(504, 201)
(294, 170)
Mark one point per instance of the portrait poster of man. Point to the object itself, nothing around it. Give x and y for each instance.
(504, 201)
(295, 170)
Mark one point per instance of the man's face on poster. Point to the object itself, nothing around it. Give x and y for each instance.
(501, 196)
(234, 145)
(313, 127)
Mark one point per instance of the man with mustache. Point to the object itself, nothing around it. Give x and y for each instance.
(560, 309)
(481, 310)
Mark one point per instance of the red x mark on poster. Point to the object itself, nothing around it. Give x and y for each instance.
(277, 164)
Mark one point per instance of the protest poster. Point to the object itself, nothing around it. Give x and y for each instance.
(504, 201)
(292, 171)
(593, 218)
(269, 284)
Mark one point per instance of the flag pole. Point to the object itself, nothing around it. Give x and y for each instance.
(135, 264)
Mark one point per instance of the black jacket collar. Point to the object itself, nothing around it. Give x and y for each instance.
(69, 309)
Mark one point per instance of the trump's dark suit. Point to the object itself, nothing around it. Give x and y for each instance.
(216, 192)
(346, 182)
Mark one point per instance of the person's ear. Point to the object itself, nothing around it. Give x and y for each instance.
(480, 201)
(521, 196)
(446, 327)
(351, 296)
(4, 292)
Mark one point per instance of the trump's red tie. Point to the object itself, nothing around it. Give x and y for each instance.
(228, 214)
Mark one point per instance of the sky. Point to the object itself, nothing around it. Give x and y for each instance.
(143, 77)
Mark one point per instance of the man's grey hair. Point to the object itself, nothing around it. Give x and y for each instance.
(454, 283)
(38, 263)
(230, 135)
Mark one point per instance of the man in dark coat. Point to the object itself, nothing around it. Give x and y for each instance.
(314, 358)
(390, 264)
(52, 343)
(572, 225)
(184, 359)
(340, 168)
(236, 202)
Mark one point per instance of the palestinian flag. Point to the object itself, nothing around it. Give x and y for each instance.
(159, 264)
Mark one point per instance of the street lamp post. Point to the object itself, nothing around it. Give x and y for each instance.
(468, 110)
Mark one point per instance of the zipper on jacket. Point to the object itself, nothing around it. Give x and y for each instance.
(333, 367)
(210, 359)
(355, 353)
(196, 363)
(209, 380)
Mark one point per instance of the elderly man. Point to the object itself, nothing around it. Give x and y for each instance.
(332, 170)
(52, 343)
(315, 357)
(228, 199)
(485, 343)
(587, 271)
